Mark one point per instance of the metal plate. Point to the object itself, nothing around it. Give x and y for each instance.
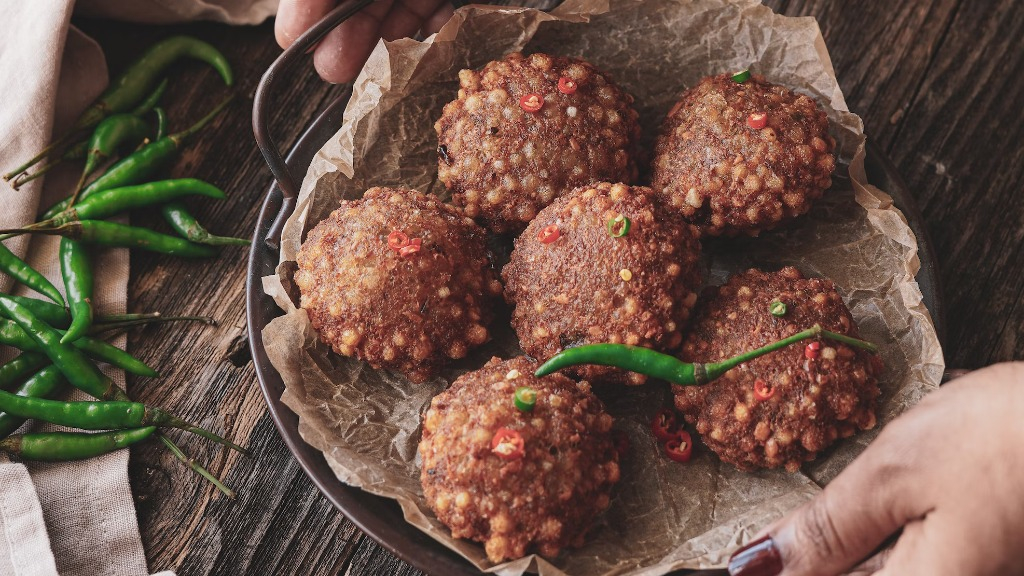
(379, 517)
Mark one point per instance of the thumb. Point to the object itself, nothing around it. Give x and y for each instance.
(870, 500)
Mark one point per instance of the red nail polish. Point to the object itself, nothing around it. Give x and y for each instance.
(759, 558)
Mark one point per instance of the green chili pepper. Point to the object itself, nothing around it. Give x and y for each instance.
(741, 76)
(104, 415)
(112, 133)
(76, 269)
(137, 80)
(100, 350)
(59, 317)
(21, 366)
(152, 100)
(49, 384)
(141, 165)
(13, 335)
(117, 200)
(777, 308)
(80, 149)
(618, 226)
(23, 273)
(525, 399)
(79, 371)
(66, 446)
(121, 236)
(188, 227)
(54, 315)
(45, 383)
(665, 367)
(116, 415)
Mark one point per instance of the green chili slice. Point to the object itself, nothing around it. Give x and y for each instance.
(525, 398)
(777, 308)
(618, 226)
(741, 76)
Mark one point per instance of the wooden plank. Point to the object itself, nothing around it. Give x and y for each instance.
(960, 148)
(880, 51)
(370, 558)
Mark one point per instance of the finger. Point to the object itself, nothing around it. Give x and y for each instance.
(344, 50)
(296, 16)
(439, 18)
(406, 18)
(866, 503)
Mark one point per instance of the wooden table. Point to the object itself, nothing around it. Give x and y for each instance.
(938, 82)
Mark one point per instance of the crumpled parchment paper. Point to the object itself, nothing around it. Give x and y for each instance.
(664, 516)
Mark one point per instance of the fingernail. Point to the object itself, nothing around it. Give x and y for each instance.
(759, 558)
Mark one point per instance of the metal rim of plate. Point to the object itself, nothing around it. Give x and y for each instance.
(379, 517)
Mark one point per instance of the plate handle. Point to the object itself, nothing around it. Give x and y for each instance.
(261, 109)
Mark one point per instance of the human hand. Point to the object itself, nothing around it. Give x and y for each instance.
(343, 51)
(949, 472)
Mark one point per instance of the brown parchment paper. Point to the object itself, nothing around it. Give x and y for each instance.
(663, 516)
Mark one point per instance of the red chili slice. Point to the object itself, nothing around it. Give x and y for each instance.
(531, 102)
(757, 120)
(664, 425)
(549, 234)
(812, 350)
(763, 390)
(397, 240)
(680, 448)
(566, 85)
(411, 248)
(508, 444)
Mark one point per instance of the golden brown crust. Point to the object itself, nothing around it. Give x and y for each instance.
(504, 164)
(729, 178)
(410, 314)
(575, 290)
(815, 400)
(545, 500)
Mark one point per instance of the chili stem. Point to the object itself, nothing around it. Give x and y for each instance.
(195, 466)
(180, 424)
(78, 188)
(133, 320)
(185, 134)
(35, 159)
(23, 179)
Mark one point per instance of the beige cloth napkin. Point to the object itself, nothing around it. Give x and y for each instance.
(70, 518)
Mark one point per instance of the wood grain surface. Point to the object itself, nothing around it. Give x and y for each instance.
(938, 83)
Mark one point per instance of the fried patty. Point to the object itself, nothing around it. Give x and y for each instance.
(807, 399)
(543, 500)
(504, 163)
(588, 286)
(410, 310)
(730, 177)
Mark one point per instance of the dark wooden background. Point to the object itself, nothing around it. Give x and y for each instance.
(939, 84)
